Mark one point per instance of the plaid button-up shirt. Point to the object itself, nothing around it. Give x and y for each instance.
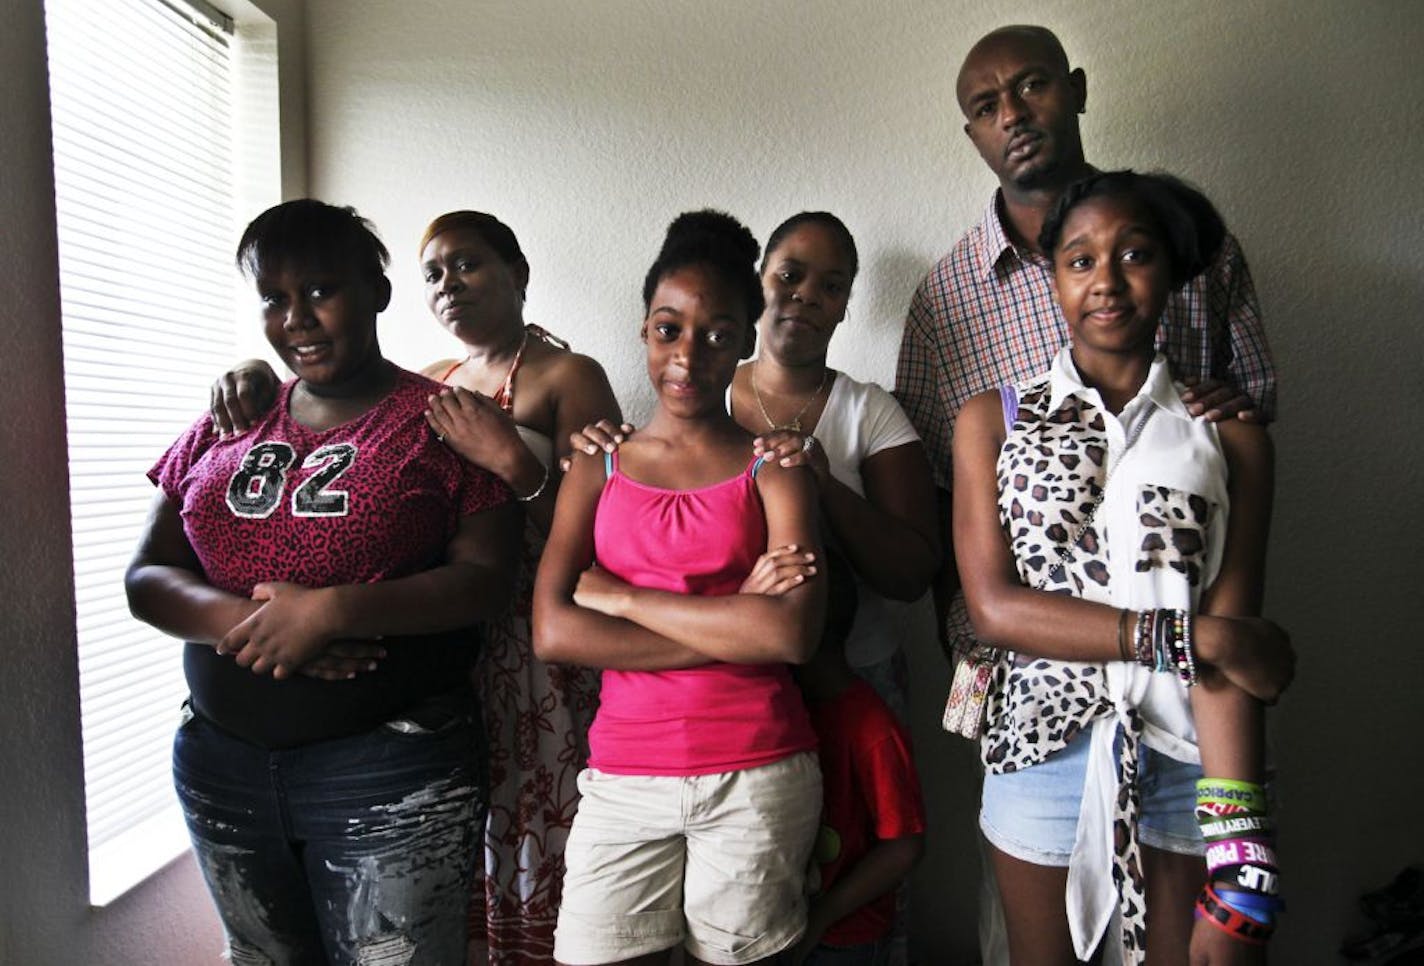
(985, 315)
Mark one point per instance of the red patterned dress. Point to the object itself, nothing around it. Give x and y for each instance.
(537, 717)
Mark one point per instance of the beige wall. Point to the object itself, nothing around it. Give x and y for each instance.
(587, 126)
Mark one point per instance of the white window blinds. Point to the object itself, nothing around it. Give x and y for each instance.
(142, 104)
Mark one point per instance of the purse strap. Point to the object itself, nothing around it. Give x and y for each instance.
(1009, 398)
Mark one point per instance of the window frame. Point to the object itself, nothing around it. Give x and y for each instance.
(118, 863)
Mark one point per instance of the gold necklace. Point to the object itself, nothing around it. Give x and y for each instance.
(795, 424)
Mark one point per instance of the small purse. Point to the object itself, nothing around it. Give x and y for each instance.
(966, 710)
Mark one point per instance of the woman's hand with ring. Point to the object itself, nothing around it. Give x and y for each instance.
(474, 426)
(786, 447)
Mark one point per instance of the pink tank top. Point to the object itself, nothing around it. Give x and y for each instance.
(718, 717)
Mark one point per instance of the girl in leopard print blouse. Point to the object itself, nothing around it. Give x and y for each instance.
(1065, 546)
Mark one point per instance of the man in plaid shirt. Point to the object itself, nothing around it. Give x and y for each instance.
(985, 314)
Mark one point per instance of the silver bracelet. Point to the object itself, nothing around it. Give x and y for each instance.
(537, 490)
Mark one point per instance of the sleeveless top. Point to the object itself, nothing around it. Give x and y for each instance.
(537, 443)
(719, 717)
(504, 395)
(1155, 541)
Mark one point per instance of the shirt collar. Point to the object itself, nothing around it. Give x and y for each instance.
(993, 240)
(1064, 381)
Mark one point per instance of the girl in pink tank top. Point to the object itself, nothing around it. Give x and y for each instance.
(641, 578)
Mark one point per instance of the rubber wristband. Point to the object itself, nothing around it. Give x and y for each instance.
(1236, 827)
(1230, 852)
(1211, 811)
(1261, 879)
(1246, 903)
(1253, 904)
(1234, 923)
(1229, 791)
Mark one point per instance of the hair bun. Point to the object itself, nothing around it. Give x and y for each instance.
(718, 241)
(694, 229)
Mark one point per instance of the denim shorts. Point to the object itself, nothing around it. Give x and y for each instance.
(355, 850)
(1032, 814)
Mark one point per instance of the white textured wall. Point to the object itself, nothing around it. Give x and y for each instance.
(588, 125)
(45, 917)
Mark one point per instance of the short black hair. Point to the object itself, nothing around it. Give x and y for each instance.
(1189, 224)
(715, 240)
(825, 218)
(312, 233)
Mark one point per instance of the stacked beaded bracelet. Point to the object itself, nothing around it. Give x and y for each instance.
(1179, 647)
(1162, 641)
(1142, 639)
(1241, 896)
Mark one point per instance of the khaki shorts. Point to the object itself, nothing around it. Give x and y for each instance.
(716, 863)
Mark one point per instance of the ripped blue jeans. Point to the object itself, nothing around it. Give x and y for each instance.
(356, 851)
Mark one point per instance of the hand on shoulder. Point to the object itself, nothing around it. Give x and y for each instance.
(240, 396)
(788, 448)
(1219, 402)
(778, 484)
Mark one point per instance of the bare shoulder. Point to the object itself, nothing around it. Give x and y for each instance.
(586, 472)
(1246, 444)
(572, 370)
(561, 374)
(773, 478)
(438, 369)
(980, 414)
(1239, 435)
